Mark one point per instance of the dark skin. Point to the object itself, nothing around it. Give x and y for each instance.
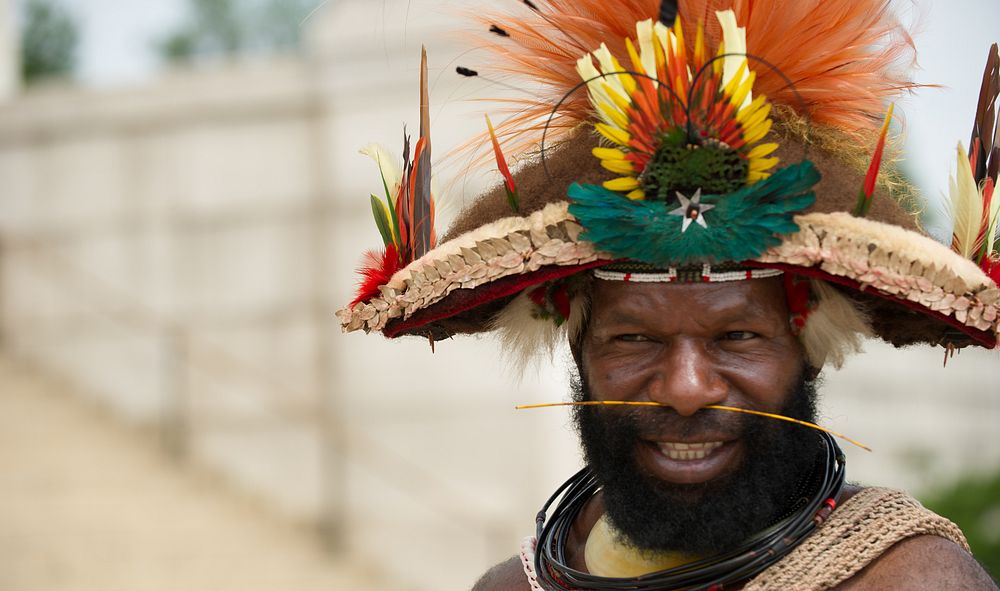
(694, 345)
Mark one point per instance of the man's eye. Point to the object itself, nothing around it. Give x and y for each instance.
(632, 338)
(740, 335)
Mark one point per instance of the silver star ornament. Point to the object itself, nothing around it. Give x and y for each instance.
(691, 210)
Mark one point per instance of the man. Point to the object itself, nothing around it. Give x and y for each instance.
(701, 238)
(682, 484)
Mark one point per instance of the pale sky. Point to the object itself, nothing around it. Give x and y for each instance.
(953, 41)
(117, 37)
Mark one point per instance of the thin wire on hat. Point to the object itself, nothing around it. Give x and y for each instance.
(583, 84)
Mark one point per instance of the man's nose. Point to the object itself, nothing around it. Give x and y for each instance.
(688, 379)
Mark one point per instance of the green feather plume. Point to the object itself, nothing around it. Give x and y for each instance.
(741, 226)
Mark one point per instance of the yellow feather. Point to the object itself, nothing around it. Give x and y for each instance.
(966, 203)
(748, 111)
(678, 32)
(757, 118)
(622, 184)
(628, 82)
(665, 37)
(742, 95)
(612, 114)
(699, 45)
(608, 154)
(618, 166)
(633, 54)
(757, 133)
(762, 150)
(623, 102)
(762, 164)
(734, 82)
(617, 136)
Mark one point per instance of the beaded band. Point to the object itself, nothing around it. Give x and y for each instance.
(686, 275)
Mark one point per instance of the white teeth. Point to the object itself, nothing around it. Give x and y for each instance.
(688, 451)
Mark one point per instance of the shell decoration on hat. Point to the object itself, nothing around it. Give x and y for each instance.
(734, 136)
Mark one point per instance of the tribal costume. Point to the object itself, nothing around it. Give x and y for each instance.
(717, 141)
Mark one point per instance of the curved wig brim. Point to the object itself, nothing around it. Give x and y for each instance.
(919, 290)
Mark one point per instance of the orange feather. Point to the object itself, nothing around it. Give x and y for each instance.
(845, 57)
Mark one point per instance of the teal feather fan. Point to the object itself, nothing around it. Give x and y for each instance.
(737, 226)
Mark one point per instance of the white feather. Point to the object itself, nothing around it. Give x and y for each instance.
(607, 63)
(644, 34)
(735, 39)
(667, 39)
(387, 163)
(834, 329)
(526, 339)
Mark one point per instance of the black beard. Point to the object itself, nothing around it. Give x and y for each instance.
(706, 518)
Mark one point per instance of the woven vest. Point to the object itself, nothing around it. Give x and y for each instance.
(857, 533)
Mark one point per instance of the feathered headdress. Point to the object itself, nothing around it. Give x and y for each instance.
(694, 144)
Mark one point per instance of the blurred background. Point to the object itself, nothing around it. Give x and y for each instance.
(182, 206)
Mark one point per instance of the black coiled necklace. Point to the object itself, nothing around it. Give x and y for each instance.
(742, 563)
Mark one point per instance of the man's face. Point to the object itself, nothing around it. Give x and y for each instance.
(687, 478)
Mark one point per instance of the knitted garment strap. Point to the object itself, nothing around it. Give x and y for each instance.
(858, 532)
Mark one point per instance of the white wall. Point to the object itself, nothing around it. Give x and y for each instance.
(178, 250)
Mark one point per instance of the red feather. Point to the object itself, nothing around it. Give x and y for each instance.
(376, 269)
(991, 265)
(561, 301)
(984, 224)
(868, 188)
(508, 179)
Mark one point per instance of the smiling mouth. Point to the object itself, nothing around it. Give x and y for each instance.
(688, 451)
(689, 463)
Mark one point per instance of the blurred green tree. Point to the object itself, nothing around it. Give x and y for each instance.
(49, 39)
(973, 502)
(228, 28)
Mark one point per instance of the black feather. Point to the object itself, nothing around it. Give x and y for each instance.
(985, 125)
(530, 5)
(406, 147)
(668, 12)
(462, 71)
(499, 31)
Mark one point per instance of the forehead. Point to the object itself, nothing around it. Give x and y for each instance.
(756, 298)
